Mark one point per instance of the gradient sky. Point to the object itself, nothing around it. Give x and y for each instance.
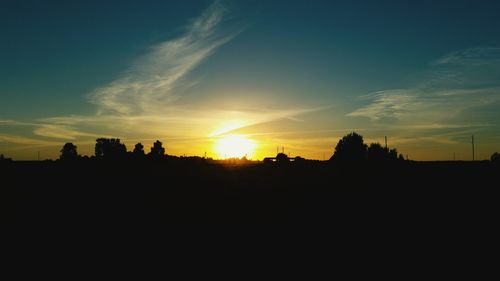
(299, 74)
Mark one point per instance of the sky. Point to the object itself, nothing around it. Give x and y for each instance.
(198, 75)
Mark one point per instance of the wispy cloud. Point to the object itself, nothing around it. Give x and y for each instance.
(60, 132)
(473, 56)
(10, 122)
(142, 101)
(7, 122)
(454, 91)
(21, 140)
(245, 119)
(388, 104)
(149, 85)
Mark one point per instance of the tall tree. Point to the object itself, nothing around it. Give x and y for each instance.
(69, 152)
(157, 151)
(109, 148)
(139, 149)
(495, 158)
(351, 148)
(377, 153)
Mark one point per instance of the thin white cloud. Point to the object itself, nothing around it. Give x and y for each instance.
(149, 85)
(473, 56)
(456, 85)
(141, 103)
(246, 119)
(10, 122)
(21, 140)
(7, 122)
(388, 104)
(60, 132)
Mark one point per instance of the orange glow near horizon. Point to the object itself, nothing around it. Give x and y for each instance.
(235, 146)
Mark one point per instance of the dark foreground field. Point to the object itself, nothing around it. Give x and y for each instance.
(99, 193)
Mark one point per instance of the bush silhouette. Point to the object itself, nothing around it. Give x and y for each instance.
(495, 158)
(157, 151)
(3, 159)
(377, 153)
(110, 148)
(351, 148)
(69, 152)
(138, 149)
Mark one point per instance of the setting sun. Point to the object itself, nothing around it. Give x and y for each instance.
(235, 146)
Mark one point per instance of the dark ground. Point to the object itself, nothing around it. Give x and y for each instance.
(99, 193)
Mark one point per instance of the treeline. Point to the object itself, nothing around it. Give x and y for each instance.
(114, 149)
(350, 149)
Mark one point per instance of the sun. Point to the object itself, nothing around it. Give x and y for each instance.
(235, 146)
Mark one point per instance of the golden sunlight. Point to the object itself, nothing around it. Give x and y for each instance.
(235, 146)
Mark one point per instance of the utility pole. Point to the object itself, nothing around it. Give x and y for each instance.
(385, 141)
(454, 159)
(473, 156)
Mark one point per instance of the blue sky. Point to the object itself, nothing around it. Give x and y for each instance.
(298, 74)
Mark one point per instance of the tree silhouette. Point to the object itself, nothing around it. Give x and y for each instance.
(351, 148)
(495, 158)
(138, 149)
(157, 151)
(68, 152)
(3, 159)
(377, 153)
(109, 148)
(393, 154)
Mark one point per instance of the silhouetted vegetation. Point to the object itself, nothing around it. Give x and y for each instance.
(138, 150)
(68, 152)
(159, 189)
(3, 159)
(351, 149)
(157, 151)
(110, 149)
(495, 158)
(377, 153)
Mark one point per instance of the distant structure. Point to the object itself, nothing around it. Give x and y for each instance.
(281, 157)
(278, 150)
(473, 156)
